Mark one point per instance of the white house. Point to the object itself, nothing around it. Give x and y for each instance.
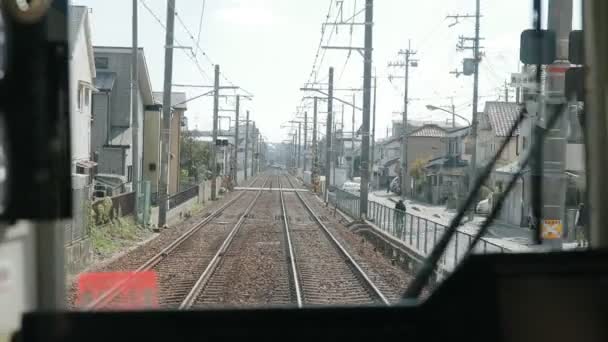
(82, 73)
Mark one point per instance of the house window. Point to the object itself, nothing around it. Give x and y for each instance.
(87, 96)
(80, 170)
(101, 62)
(524, 143)
(130, 173)
(152, 167)
(79, 95)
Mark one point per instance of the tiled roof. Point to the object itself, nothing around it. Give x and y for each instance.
(502, 115)
(178, 100)
(431, 131)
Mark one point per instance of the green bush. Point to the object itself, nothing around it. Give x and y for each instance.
(102, 211)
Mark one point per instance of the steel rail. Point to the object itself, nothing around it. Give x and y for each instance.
(361, 273)
(214, 263)
(291, 254)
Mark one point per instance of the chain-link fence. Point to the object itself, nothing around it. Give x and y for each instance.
(183, 196)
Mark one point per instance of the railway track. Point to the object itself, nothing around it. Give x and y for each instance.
(179, 263)
(324, 270)
(251, 266)
(260, 248)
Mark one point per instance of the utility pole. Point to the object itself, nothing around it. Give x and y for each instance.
(253, 150)
(315, 160)
(246, 145)
(328, 123)
(408, 61)
(373, 160)
(135, 113)
(257, 158)
(453, 113)
(367, 85)
(299, 151)
(305, 140)
(166, 128)
(352, 140)
(475, 100)
(506, 92)
(342, 150)
(216, 95)
(335, 153)
(294, 150)
(476, 60)
(236, 140)
(549, 206)
(257, 151)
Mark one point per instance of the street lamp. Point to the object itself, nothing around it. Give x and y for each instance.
(431, 107)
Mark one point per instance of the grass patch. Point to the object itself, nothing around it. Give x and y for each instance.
(117, 235)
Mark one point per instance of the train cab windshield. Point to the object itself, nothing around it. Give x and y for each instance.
(227, 157)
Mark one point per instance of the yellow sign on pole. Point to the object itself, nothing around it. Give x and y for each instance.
(552, 229)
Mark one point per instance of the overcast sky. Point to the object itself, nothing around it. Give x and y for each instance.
(268, 48)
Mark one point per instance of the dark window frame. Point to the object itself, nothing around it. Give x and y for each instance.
(102, 62)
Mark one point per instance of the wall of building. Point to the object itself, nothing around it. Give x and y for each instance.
(80, 118)
(423, 148)
(120, 131)
(99, 132)
(112, 161)
(151, 150)
(174, 161)
(488, 144)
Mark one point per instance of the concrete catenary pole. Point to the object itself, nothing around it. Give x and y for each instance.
(216, 96)
(367, 85)
(299, 148)
(253, 141)
(373, 152)
(352, 139)
(304, 167)
(166, 123)
(236, 139)
(554, 181)
(404, 133)
(246, 145)
(315, 152)
(328, 124)
(135, 113)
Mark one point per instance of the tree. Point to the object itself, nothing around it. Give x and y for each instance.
(416, 171)
(417, 168)
(194, 156)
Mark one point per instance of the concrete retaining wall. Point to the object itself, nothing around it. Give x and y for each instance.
(396, 250)
(78, 256)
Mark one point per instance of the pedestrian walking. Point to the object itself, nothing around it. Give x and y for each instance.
(581, 226)
(399, 217)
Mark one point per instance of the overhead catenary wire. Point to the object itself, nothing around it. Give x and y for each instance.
(164, 27)
(200, 24)
(198, 47)
(191, 56)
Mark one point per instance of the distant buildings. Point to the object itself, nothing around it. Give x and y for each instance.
(112, 117)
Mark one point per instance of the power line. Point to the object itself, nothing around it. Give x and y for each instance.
(160, 22)
(198, 47)
(200, 24)
(193, 55)
(314, 63)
